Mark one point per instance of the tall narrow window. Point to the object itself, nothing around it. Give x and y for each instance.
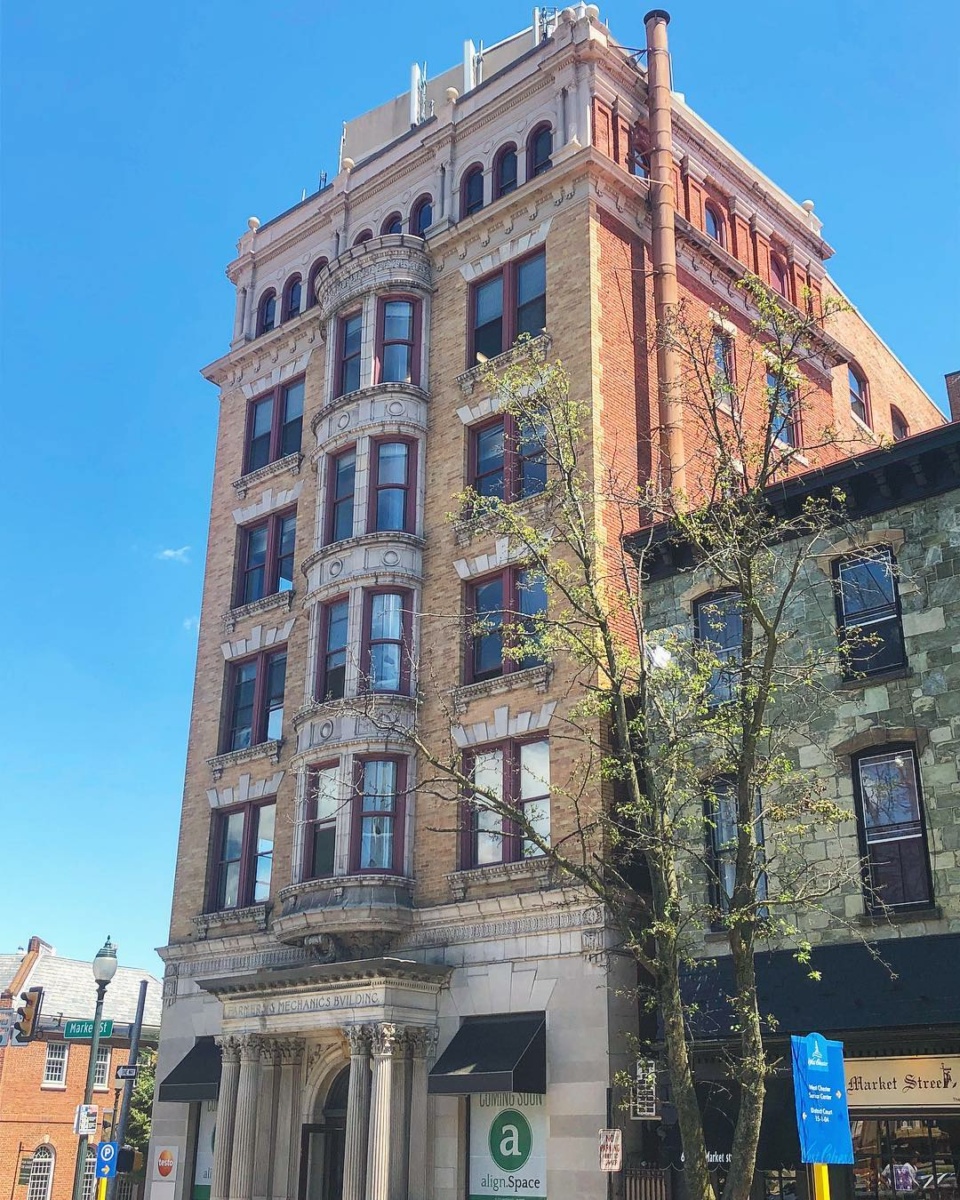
(722, 840)
(343, 471)
(722, 375)
(351, 343)
(488, 340)
(55, 1066)
(487, 632)
(291, 422)
(487, 772)
(898, 425)
(719, 628)
(715, 226)
(386, 621)
(489, 447)
(508, 460)
(255, 709)
(335, 619)
(421, 216)
(244, 862)
(539, 151)
(398, 342)
(510, 778)
(892, 829)
(267, 312)
(471, 192)
(320, 834)
(89, 1180)
(266, 558)
(780, 397)
(391, 491)
(515, 598)
(868, 613)
(41, 1174)
(312, 278)
(639, 162)
(505, 171)
(378, 822)
(274, 426)
(858, 395)
(531, 296)
(533, 799)
(392, 224)
(292, 296)
(531, 599)
(101, 1069)
(778, 277)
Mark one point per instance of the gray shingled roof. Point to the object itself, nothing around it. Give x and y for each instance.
(69, 988)
(9, 964)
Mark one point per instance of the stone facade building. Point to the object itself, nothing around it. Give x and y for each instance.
(359, 984)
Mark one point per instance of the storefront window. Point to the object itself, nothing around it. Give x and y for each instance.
(916, 1157)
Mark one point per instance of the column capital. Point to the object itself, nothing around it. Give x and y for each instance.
(289, 1049)
(387, 1039)
(359, 1037)
(229, 1047)
(421, 1040)
(250, 1048)
(270, 1052)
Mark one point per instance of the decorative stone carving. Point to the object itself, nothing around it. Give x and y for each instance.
(277, 602)
(539, 345)
(220, 762)
(393, 259)
(387, 1039)
(254, 914)
(535, 677)
(291, 463)
(359, 1039)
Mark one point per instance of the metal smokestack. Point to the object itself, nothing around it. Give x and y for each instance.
(665, 292)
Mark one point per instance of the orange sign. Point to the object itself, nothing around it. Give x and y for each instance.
(165, 1163)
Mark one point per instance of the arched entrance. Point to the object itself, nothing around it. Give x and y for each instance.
(323, 1145)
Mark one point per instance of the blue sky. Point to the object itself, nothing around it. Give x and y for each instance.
(137, 139)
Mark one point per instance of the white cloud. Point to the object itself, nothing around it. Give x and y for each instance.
(181, 556)
(191, 624)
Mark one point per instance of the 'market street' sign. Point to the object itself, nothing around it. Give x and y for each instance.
(820, 1093)
(78, 1030)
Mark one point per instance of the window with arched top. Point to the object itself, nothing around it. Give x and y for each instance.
(292, 296)
(392, 224)
(715, 225)
(267, 312)
(41, 1174)
(779, 277)
(312, 281)
(539, 151)
(899, 426)
(89, 1178)
(471, 191)
(421, 216)
(505, 171)
(859, 399)
(363, 236)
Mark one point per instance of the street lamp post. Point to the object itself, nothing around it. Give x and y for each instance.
(104, 969)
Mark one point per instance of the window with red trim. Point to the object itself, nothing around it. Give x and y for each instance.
(243, 856)
(715, 225)
(505, 171)
(723, 377)
(266, 558)
(539, 151)
(255, 700)
(342, 487)
(471, 192)
(639, 156)
(312, 281)
(859, 395)
(267, 312)
(398, 340)
(320, 827)
(349, 346)
(507, 305)
(292, 295)
(334, 638)
(778, 277)
(507, 460)
(393, 472)
(784, 405)
(511, 775)
(378, 814)
(502, 610)
(899, 426)
(274, 426)
(421, 216)
(386, 641)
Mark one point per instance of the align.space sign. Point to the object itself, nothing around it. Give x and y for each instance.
(508, 1146)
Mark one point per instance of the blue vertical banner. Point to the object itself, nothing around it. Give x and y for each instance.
(820, 1093)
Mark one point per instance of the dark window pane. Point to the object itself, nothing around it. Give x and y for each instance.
(473, 192)
(287, 537)
(531, 296)
(490, 460)
(397, 363)
(531, 602)
(276, 673)
(259, 450)
(423, 218)
(255, 573)
(398, 321)
(867, 587)
(507, 172)
(533, 461)
(542, 149)
(714, 226)
(322, 851)
(268, 314)
(241, 726)
(335, 665)
(488, 328)
(343, 485)
(488, 629)
(720, 626)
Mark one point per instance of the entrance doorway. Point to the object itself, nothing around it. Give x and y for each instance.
(323, 1144)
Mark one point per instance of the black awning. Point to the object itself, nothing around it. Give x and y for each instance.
(195, 1077)
(505, 1053)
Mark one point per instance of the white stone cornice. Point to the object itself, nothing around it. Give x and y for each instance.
(296, 337)
(484, 564)
(503, 725)
(268, 502)
(246, 789)
(291, 463)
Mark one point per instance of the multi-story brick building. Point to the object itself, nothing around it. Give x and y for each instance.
(334, 925)
(42, 1083)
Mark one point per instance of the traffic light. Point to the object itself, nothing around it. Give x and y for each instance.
(27, 1025)
(129, 1160)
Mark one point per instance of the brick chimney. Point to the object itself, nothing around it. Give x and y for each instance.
(953, 394)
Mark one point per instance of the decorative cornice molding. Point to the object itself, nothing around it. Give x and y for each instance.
(539, 345)
(537, 870)
(254, 914)
(291, 463)
(276, 602)
(536, 677)
(221, 762)
(395, 261)
(374, 392)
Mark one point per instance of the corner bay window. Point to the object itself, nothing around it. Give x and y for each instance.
(517, 776)
(274, 426)
(508, 305)
(508, 461)
(255, 690)
(320, 833)
(343, 472)
(868, 613)
(398, 338)
(244, 856)
(349, 345)
(378, 815)
(266, 558)
(892, 830)
(385, 639)
(513, 599)
(391, 500)
(718, 626)
(334, 628)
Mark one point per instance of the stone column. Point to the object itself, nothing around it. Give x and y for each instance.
(358, 1113)
(385, 1044)
(245, 1127)
(226, 1116)
(421, 1043)
(284, 1186)
(266, 1117)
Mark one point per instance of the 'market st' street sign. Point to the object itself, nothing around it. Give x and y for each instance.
(78, 1030)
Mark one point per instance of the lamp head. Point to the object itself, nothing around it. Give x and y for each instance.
(105, 962)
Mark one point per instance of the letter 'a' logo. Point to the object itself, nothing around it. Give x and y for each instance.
(510, 1140)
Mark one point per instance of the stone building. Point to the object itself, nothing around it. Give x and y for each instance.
(42, 1083)
(887, 944)
(359, 983)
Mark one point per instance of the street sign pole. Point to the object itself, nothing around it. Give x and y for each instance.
(88, 1092)
(120, 1128)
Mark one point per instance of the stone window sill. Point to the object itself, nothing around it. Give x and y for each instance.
(53, 1087)
(537, 870)
(471, 377)
(279, 601)
(466, 528)
(853, 685)
(220, 762)
(291, 463)
(253, 914)
(538, 677)
(932, 912)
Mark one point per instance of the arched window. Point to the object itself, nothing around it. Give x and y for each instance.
(539, 151)
(392, 224)
(715, 225)
(41, 1174)
(312, 281)
(421, 218)
(471, 191)
(505, 171)
(292, 295)
(89, 1179)
(267, 312)
(778, 277)
(898, 424)
(859, 401)
(363, 236)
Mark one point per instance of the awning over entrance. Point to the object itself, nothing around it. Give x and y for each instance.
(503, 1053)
(196, 1076)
